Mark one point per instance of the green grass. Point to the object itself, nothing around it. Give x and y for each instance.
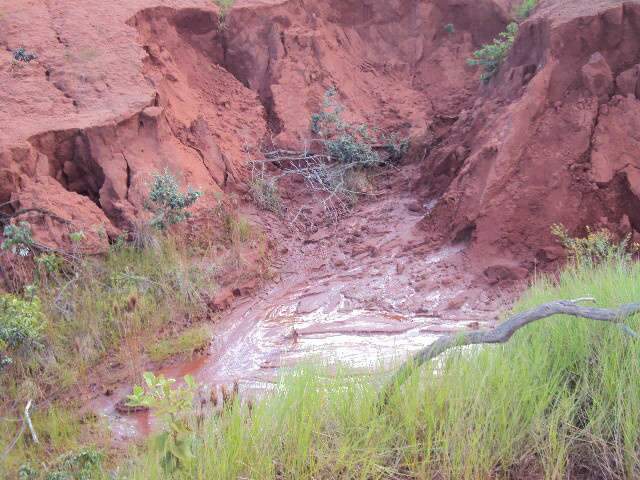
(187, 343)
(563, 396)
(115, 305)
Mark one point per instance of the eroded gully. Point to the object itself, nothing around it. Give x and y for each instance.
(365, 292)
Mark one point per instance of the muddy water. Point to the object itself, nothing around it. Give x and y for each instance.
(337, 301)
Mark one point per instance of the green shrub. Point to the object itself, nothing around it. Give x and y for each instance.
(18, 239)
(51, 263)
(264, 192)
(597, 247)
(21, 326)
(21, 55)
(491, 55)
(347, 149)
(84, 464)
(174, 445)
(166, 202)
(352, 144)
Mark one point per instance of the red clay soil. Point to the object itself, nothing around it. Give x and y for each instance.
(123, 89)
(553, 139)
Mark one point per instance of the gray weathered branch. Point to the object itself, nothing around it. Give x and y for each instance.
(503, 332)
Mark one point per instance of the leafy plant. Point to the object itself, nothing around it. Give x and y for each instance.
(175, 444)
(77, 237)
(491, 55)
(18, 239)
(449, 28)
(50, 262)
(351, 144)
(597, 247)
(21, 325)
(526, 8)
(167, 203)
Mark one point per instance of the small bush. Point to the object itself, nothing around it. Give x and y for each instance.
(449, 28)
(18, 239)
(526, 8)
(50, 262)
(347, 148)
(21, 326)
(174, 445)
(84, 464)
(167, 203)
(265, 194)
(491, 55)
(597, 247)
(21, 55)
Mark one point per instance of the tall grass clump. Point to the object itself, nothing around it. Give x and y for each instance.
(560, 399)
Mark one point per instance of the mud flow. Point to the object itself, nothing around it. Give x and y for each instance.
(363, 293)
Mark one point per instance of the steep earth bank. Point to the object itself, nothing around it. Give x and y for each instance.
(553, 139)
(150, 85)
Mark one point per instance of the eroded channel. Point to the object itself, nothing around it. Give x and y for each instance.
(364, 293)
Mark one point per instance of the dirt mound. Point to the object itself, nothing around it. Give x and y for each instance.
(552, 139)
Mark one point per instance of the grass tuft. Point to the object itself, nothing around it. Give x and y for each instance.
(187, 343)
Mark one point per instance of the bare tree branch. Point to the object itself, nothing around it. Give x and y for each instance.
(26, 421)
(503, 332)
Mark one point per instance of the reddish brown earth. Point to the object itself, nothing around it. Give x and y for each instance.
(149, 84)
(121, 90)
(552, 140)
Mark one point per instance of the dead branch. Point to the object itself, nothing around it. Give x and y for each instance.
(503, 332)
(26, 421)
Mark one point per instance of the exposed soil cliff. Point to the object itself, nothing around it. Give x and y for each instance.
(152, 85)
(551, 139)
(120, 91)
